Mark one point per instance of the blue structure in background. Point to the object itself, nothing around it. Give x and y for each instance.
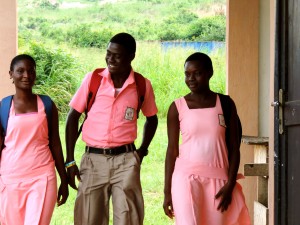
(207, 46)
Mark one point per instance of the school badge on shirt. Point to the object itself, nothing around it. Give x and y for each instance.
(129, 113)
(222, 120)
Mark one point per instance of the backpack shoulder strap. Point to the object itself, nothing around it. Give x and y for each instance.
(93, 88)
(4, 112)
(141, 90)
(48, 109)
(5, 107)
(226, 102)
(226, 107)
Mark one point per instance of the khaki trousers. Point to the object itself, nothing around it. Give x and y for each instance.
(103, 176)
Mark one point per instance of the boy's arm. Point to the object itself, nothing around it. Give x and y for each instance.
(150, 127)
(71, 138)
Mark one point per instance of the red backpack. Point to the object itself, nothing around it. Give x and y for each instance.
(95, 84)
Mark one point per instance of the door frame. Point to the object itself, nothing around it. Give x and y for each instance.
(280, 140)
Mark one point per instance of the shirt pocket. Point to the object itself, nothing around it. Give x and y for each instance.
(126, 113)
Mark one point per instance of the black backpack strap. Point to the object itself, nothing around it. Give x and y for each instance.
(4, 112)
(48, 110)
(226, 107)
(226, 103)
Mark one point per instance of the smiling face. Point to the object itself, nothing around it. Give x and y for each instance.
(196, 77)
(118, 60)
(23, 74)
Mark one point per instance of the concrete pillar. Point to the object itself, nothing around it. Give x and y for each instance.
(8, 43)
(242, 77)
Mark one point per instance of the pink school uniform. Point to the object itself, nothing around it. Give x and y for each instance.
(201, 170)
(28, 188)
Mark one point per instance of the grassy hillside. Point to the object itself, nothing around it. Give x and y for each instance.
(91, 23)
(55, 32)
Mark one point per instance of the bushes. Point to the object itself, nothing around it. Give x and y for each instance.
(57, 74)
(165, 69)
(145, 19)
(83, 36)
(46, 4)
(208, 29)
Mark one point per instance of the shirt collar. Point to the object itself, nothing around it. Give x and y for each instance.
(130, 80)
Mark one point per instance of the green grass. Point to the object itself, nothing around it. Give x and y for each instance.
(145, 20)
(165, 70)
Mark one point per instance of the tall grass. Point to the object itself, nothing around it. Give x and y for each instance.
(146, 20)
(57, 73)
(165, 70)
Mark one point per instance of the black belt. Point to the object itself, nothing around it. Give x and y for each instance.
(111, 151)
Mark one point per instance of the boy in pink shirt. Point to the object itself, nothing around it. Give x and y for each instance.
(110, 166)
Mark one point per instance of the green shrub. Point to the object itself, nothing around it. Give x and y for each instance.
(89, 30)
(169, 33)
(83, 36)
(57, 74)
(166, 72)
(208, 29)
(46, 4)
(145, 19)
(56, 33)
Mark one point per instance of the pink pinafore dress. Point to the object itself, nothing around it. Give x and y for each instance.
(28, 188)
(201, 170)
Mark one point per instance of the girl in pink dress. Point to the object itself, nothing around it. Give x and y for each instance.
(200, 178)
(28, 188)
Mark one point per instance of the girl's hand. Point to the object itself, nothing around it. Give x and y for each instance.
(168, 206)
(63, 193)
(226, 194)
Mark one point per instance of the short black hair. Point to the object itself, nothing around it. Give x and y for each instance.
(126, 40)
(203, 59)
(18, 58)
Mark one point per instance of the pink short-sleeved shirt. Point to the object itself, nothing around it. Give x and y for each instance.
(112, 120)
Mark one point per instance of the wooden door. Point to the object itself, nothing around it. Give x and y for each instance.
(287, 113)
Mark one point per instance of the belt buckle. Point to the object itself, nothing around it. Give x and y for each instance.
(107, 151)
(128, 148)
